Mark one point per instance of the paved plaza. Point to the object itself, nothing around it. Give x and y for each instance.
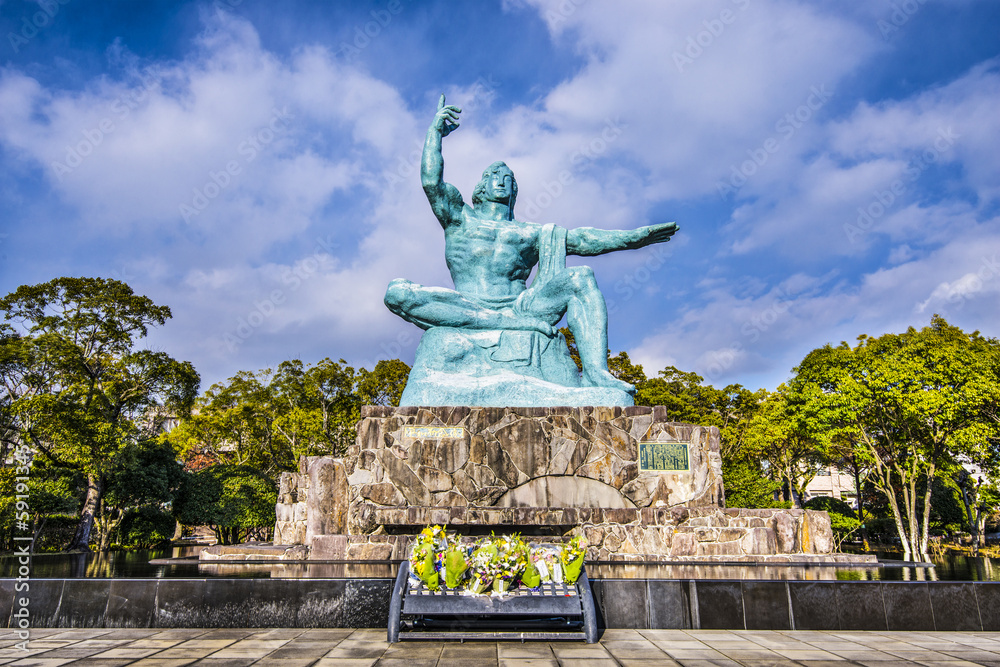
(319, 647)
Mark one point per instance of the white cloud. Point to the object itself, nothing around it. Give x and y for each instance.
(329, 208)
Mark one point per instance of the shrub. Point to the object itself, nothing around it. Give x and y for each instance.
(235, 501)
(146, 528)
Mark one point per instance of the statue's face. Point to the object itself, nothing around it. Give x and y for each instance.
(500, 186)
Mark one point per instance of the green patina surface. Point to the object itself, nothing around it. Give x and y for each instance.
(495, 341)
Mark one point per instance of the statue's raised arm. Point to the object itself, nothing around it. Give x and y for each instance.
(445, 199)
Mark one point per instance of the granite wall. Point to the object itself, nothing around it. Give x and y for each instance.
(542, 471)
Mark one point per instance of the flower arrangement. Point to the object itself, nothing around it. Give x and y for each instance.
(455, 564)
(427, 557)
(571, 559)
(492, 563)
(509, 563)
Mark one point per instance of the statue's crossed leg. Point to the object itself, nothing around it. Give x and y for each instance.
(572, 292)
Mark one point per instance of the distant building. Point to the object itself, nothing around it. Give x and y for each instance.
(833, 482)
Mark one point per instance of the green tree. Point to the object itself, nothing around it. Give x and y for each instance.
(77, 388)
(747, 484)
(777, 434)
(145, 480)
(235, 501)
(385, 384)
(981, 497)
(52, 492)
(269, 419)
(910, 405)
(146, 527)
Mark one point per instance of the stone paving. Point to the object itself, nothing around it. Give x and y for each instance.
(319, 647)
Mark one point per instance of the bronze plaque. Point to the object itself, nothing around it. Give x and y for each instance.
(664, 456)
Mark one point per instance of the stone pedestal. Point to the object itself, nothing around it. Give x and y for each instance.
(541, 471)
(499, 368)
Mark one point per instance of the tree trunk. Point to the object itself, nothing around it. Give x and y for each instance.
(861, 505)
(972, 509)
(897, 516)
(927, 511)
(40, 522)
(81, 539)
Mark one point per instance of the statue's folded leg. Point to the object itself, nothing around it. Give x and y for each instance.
(573, 291)
(441, 307)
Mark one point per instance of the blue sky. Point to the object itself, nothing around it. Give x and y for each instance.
(833, 166)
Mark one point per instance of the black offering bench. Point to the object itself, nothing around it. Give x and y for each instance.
(554, 611)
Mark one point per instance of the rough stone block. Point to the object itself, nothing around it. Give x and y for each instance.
(759, 541)
(284, 512)
(328, 547)
(820, 532)
(683, 544)
(785, 533)
(327, 503)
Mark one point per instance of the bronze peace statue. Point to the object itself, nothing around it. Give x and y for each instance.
(492, 340)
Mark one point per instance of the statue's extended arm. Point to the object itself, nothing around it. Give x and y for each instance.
(590, 241)
(445, 199)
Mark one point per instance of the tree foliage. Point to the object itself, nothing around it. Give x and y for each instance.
(270, 418)
(235, 501)
(778, 434)
(910, 405)
(76, 388)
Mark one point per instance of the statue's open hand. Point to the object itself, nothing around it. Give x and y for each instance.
(446, 118)
(656, 233)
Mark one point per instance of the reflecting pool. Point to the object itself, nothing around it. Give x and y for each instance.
(183, 562)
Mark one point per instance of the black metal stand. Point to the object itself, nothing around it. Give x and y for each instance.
(555, 611)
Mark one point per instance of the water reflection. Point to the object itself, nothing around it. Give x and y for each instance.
(340, 570)
(183, 562)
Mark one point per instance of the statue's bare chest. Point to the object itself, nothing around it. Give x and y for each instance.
(492, 241)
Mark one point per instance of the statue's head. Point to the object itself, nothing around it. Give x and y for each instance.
(497, 185)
